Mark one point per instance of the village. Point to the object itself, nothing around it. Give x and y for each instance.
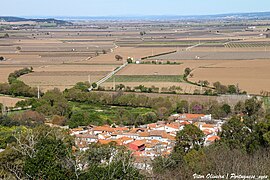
(148, 141)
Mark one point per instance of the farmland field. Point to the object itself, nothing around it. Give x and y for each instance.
(146, 78)
(62, 56)
(251, 75)
(9, 101)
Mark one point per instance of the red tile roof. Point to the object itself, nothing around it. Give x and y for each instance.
(138, 143)
(103, 128)
(213, 138)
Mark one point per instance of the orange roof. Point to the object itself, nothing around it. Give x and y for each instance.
(121, 129)
(173, 125)
(153, 125)
(158, 133)
(77, 129)
(154, 141)
(138, 143)
(185, 123)
(135, 130)
(208, 125)
(103, 128)
(213, 138)
(144, 134)
(170, 137)
(103, 141)
(207, 131)
(193, 116)
(125, 138)
(149, 145)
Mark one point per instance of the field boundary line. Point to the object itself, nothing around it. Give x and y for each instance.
(109, 75)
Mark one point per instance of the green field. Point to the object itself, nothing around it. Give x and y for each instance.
(146, 78)
(248, 45)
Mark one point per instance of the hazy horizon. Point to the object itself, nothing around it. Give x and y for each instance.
(101, 8)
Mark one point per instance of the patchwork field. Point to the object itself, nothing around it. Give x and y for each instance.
(252, 76)
(65, 76)
(161, 76)
(62, 56)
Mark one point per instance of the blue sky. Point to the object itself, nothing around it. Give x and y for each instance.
(128, 7)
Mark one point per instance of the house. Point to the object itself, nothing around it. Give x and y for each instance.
(125, 140)
(137, 145)
(158, 134)
(78, 131)
(103, 129)
(88, 138)
(194, 117)
(211, 127)
(211, 140)
(144, 135)
(172, 127)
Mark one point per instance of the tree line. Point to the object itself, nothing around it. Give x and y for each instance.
(17, 87)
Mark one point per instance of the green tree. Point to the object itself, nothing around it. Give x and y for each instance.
(187, 72)
(94, 85)
(41, 152)
(182, 106)
(191, 137)
(235, 133)
(226, 108)
(109, 162)
(253, 107)
(83, 86)
(129, 60)
(118, 57)
(232, 89)
(120, 87)
(220, 89)
(53, 103)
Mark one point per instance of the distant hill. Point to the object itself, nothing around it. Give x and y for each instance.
(19, 19)
(230, 16)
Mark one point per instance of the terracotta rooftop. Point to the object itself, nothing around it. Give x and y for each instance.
(135, 130)
(193, 116)
(103, 128)
(121, 129)
(103, 141)
(144, 134)
(138, 143)
(207, 132)
(173, 125)
(160, 133)
(208, 125)
(213, 138)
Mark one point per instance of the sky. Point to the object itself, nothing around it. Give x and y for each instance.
(129, 7)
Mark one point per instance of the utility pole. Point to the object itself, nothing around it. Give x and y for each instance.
(114, 83)
(3, 109)
(89, 79)
(38, 92)
(201, 87)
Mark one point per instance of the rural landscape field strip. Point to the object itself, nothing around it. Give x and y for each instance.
(146, 78)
